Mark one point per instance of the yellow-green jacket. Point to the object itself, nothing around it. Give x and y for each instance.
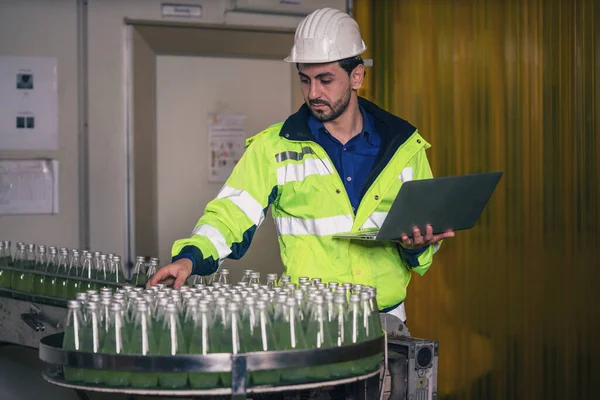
(285, 169)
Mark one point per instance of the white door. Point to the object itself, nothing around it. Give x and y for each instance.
(188, 88)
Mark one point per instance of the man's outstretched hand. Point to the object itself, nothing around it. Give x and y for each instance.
(172, 274)
(419, 241)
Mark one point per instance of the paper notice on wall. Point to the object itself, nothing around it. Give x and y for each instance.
(226, 144)
(28, 103)
(28, 187)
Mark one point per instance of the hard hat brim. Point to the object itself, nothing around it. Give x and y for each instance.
(292, 59)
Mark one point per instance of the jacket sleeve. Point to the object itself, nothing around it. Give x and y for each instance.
(227, 227)
(420, 260)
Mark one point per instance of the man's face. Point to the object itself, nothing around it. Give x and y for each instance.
(326, 88)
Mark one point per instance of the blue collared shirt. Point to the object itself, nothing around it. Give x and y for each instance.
(354, 160)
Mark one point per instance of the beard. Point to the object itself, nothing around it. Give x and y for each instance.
(335, 110)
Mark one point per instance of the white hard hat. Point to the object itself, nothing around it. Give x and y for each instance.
(326, 35)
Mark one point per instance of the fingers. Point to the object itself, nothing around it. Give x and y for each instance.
(168, 281)
(428, 234)
(442, 236)
(417, 238)
(419, 241)
(406, 242)
(181, 277)
(160, 275)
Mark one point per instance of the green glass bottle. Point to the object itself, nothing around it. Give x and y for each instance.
(8, 260)
(82, 298)
(74, 282)
(356, 330)
(19, 277)
(104, 314)
(203, 341)
(319, 336)
(284, 280)
(93, 337)
(87, 272)
(109, 260)
(41, 262)
(261, 337)
(96, 264)
(271, 280)
(103, 271)
(158, 318)
(246, 276)
(303, 279)
(291, 336)
(30, 261)
(230, 336)
(5, 260)
(151, 269)
(52, 263)
(73, 338)
(30, 256)
(139, 277)
(341, 334)
(58, 286)
(189, 317)
(172, 343)
(142, 343)
(372, 327)
(115, 342)
(116, 270)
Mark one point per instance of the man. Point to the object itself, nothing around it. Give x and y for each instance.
(334, 166)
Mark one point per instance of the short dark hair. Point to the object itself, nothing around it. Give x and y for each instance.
(348, 64)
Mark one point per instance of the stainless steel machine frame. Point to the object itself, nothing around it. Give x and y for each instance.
(25, 318)
(239, 365)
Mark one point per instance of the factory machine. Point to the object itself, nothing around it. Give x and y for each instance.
(382, 363)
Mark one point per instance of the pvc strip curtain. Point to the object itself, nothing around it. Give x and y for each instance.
(511, 86)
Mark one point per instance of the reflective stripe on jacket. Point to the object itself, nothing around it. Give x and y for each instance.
(285, 169)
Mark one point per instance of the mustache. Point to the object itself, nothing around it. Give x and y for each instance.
(316, 101)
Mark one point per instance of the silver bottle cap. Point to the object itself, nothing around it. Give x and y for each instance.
(73, 304)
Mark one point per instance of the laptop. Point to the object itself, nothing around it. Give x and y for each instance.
(446, 203)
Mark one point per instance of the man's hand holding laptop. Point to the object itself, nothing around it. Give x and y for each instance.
(419, 241)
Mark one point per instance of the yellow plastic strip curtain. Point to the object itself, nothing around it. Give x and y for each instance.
(509, 85)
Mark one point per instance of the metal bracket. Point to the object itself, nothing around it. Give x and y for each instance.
(239, 377)
(31, 319)
(385, 367)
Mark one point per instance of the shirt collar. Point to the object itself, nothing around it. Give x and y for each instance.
(317, 128)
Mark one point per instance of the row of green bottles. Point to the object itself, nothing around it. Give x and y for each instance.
(143, 271)
(69, 270)
(223, 318)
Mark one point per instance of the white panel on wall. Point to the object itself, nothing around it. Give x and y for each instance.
(188, 89)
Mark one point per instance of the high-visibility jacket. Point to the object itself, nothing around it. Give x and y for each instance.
(285, 169)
